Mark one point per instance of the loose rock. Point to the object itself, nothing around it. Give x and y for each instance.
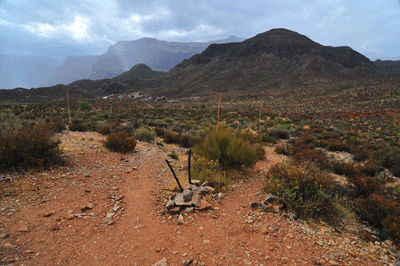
(162, 262)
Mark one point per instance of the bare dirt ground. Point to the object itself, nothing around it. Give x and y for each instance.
(105, 208)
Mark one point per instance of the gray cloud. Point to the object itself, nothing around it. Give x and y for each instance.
(370, 27)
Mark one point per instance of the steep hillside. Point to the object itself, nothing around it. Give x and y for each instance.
(277, 58)
(388, 67)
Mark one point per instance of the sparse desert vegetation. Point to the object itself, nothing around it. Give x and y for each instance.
(342, 159)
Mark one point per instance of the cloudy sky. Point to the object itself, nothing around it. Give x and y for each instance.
(56, 28)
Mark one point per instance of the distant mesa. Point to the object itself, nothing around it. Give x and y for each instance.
(161, 55)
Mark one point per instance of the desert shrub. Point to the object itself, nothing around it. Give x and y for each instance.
(27, 146)
(128, 127)
(370, 167)
(284, 148)
(391, 224)
(84, 105)
(159, 131)
(376, 208)
(107, 128)
(268, 139)
(365, 185)
(305, 189)
(389, 157)
(338, 145)
(171, 137)
(77, 125)
(82, 126)
(247, 135)
(231, 151)
(348, 169)
(278, 133)
(144, 134)
(55, 124)
(187, 140)
(120, 142)
(360, 153)
(313, 155)
(210, 171)
(240, 152)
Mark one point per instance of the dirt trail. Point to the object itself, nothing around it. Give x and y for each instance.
(124, 221)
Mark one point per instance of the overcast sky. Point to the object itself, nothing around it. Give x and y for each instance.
(56, 28)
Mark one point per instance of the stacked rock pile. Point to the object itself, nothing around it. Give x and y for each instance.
(190, 199)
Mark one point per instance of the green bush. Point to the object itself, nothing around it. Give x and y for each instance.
(144, 134)
(305, 189)
(389, 157)
(210, 171)
(120, 142)
(84, 105)
(229, 149)
(27, 146)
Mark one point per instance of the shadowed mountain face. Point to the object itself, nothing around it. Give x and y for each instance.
(278, 58)
(25, 71)
(158, 55)
(388, 67)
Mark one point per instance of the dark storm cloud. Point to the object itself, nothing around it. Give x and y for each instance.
(369, 27)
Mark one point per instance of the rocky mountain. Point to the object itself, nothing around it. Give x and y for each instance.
(388, 67)
(25, 71)
(158, 55)
(130, 81)
(276, 58)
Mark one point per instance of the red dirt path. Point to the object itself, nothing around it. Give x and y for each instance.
(141, 232)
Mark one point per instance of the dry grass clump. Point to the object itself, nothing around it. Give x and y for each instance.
(120, 142)
(381, 212)
(24, 146)
(144, 134)
(229, 149)
(305, 189)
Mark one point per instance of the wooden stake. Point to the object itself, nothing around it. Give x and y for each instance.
(219, 103)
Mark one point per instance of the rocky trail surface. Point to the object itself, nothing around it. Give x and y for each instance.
(105, 208)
